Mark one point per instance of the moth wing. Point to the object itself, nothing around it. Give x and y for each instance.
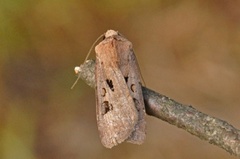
(134, 83)
(116, 112)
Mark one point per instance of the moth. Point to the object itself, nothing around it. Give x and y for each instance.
(119, 101)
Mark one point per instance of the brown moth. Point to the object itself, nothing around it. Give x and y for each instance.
(120, 106)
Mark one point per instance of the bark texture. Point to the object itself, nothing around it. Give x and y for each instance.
(206, 127)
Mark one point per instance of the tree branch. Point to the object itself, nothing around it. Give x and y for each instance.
(211, 129)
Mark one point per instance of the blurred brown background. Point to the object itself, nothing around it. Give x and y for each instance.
(187, 50)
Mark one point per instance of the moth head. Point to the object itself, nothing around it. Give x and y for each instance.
(111, 33)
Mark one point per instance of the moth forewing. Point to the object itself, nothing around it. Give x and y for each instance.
(130, 70)
(134, 84)
(120, 107)
(116, 113)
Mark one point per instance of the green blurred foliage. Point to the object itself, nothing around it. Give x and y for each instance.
(187, 50)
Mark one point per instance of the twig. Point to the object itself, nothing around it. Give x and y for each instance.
(211, 129)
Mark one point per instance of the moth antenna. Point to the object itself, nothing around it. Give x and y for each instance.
(75, 82)
(89, 52)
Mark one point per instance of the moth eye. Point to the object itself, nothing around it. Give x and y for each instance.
(110, 84)
(133, 87)
(126, 79)
(103, 92)
(106, 107)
